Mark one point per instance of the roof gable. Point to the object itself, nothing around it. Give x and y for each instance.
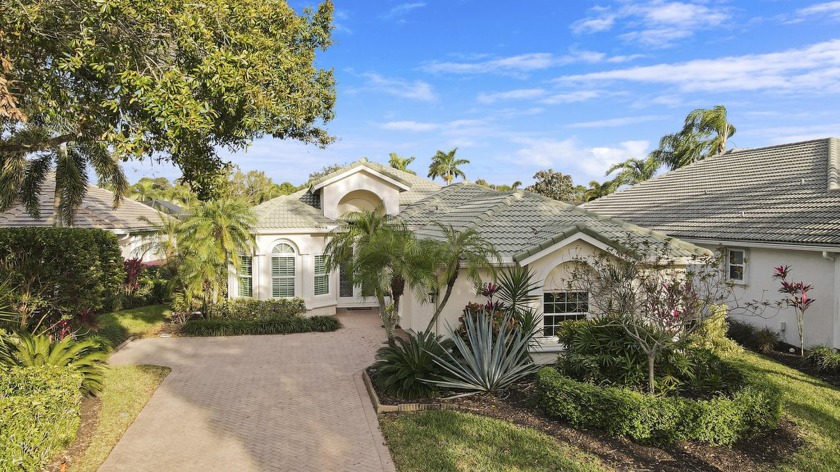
(355, 168)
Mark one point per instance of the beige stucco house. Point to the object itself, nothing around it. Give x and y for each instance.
(526, 229)
(764, 207)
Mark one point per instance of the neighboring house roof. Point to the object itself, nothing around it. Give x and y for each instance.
(302, 209)
(520, 224)
(96, 211)
(166, 207)
(787, 194)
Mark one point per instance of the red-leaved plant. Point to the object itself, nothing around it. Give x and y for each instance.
(133, 271)
(796, 296)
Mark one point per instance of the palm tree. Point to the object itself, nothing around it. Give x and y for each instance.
(598, 190)
(401, 163)
(465, 248)
(633, 171)
(209, 242)
(705, 133)
(445, 165)
(21, 178)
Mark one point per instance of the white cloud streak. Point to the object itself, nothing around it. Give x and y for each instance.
(831, 9)
(401, 10)
(567, 156)
(523, 63)
(413, 90)
(616, 122)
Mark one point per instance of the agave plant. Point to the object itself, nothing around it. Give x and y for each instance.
(401, 366)
(30, 350)
(486, 364)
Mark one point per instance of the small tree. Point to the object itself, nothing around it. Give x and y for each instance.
(554, 185)
(796, 296)
(640, 288)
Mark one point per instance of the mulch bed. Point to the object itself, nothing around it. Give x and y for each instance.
(756, 454)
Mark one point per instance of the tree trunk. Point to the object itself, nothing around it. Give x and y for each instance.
(800, 324)
(651, 378)
(58, 221)
(383, 315)
(449, 285)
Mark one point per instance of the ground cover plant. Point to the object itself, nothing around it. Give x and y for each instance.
(118, 326)
(448, 440)
(277, 325)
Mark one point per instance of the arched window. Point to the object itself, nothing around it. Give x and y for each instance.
(283, 271)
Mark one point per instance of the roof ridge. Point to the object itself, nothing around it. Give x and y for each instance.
(490, 212)
(833, 164)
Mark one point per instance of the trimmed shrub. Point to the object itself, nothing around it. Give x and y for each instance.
(277, 325)
(61, 271)
(401, 368)
(752, 408)
(761, 340)
(711, 336)
(39, 414)
(253, 309)
(824, 359)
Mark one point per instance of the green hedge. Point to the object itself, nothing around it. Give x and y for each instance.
(252, 309)
(71, 270)
(750, 410)
(39, 414)
(280, 325)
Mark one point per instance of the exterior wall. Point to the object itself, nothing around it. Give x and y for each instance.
(332, 194)
(822, 320)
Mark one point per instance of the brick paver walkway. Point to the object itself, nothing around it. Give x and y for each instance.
(291, 403)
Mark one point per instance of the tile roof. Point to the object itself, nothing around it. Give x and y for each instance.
(520, 224)
(786, 194)
(97, 211)
(302, 209)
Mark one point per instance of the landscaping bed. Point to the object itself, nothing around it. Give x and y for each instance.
(278, 325)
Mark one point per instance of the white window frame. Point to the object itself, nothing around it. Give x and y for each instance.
(744, 265)
(321, 275)
(279, 253)
(243, 276)
(549, 329)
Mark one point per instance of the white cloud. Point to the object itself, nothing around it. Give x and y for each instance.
(569, 157)
(413, 90)
(518, 94)
(401, 10)
(571, 97)
(415, 126)
(814, 68)
(616, 122)
(653, 23)
(831, 9)
(523, 63)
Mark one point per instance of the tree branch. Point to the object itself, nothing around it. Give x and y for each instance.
(40, 146)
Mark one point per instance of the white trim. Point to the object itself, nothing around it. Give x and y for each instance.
(781, 246)
(745, 276)
(356, 170)
(579, 236)
(293, 231)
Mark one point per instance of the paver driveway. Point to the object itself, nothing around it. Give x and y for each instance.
(288, 402)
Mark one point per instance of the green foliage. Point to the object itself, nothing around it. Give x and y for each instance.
(517, 288)
(401, 163)
(253, 187)
(151, 286)
(711, 335)
(752, 408)
(704, 133)
(61, 272)
(485, 363)
(86, 356)
(758, 339)
(402, 367)
(554, 185)
(251, 308)
(633, 171)
(281, 325)
(824, 359)
(118, 326)
(98, 73)
(445, 166)
(39, 414)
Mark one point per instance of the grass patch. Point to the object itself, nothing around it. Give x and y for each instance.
(814, 406)
(127, 389)
(449, 440)
(137, 322)
(277, 325)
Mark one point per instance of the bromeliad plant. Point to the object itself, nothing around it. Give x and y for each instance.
(796, 296)
(484, 362)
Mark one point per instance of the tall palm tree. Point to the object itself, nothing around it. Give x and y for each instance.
(209, 242)
(597, 190)
(22, 177)
(465, 248)
(401, 163)
(632, 171)
(445, 165)
(705, 133)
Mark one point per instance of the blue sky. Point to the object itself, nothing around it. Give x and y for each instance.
(572, 85)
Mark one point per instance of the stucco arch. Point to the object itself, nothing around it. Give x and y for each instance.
(360, 200)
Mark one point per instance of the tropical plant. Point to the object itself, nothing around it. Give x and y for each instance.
(401, 163)
(253, 187)
(402, 367)
(445, 166)
(796, 296)
(824, 359)
(86, 356)
(597, 190)
(485, 363)
(517, 287)
(466, 249)
(632, 171)
(78, 75)
(704, 133)
(554, 185)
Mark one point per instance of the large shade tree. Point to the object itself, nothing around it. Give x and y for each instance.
(556, 185)
(166, 80)
(705, 133)
(446, 166)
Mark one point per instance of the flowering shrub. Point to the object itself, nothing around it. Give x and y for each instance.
(796, 296)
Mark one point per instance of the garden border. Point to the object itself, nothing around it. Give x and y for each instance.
(379, 408)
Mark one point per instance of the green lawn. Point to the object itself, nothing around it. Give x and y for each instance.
(815, 408)
(448, 440)
(126, 390)
(137, 322)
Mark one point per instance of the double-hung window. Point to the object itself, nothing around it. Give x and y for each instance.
(736, 265)
(322, 278)
(246, 276)
(563, 306)
(283, 271)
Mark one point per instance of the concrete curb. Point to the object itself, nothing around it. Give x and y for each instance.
(380, 408)
(123, 344)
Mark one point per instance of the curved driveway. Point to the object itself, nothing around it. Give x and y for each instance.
(287, 402)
